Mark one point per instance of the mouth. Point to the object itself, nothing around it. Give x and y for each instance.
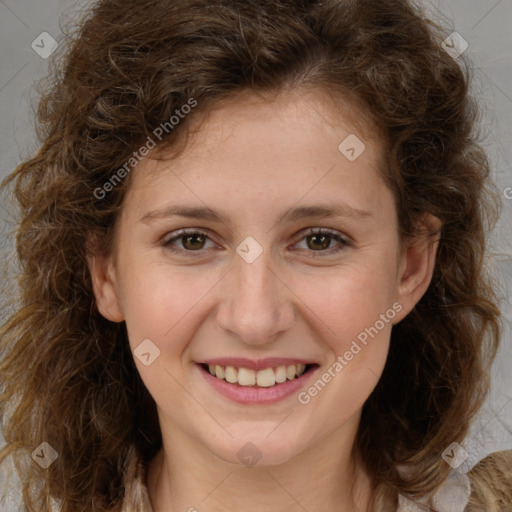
(272, 376)
(257, 382)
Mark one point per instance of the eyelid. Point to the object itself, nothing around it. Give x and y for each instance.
(325, 231)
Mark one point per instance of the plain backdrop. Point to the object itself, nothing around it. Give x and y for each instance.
(487, 27)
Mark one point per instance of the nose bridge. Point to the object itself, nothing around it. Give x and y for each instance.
(255, 307)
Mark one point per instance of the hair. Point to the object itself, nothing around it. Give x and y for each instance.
(490, 480)
(68, 375)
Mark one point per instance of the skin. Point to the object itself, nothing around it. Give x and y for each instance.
(252, 159)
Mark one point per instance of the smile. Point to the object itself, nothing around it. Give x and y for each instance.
(261, 382)
(263, 378)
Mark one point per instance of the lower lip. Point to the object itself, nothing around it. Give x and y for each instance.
(257, 395)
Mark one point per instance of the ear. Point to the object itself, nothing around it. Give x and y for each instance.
(417, 265)
(105, 287)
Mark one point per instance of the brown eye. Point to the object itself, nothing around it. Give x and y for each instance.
(194, 241)
(320, 240)
(187, 241)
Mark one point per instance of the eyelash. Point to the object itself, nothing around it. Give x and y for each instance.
(313, 231)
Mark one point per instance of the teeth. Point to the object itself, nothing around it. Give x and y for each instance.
(219, 372)
(281, 374)
(246, 377)
(262, 378)
(266, 378)
(291, 371)
(231, 374)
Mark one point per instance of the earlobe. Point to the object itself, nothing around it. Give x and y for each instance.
(418, 263)
(105, 287)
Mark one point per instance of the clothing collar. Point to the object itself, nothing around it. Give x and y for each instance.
(451, 496)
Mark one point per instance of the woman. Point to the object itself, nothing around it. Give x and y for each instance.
(251, 251)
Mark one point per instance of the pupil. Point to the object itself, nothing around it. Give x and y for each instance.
(192, 237)
(322, 243)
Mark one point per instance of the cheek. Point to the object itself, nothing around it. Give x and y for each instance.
(349, 302)
(355, 322)
(354, 312)
(163, 306)
(159, 302)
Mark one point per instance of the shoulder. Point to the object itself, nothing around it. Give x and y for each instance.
(491, 484)
(486, 488)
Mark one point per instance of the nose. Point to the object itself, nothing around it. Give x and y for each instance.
(256, 305)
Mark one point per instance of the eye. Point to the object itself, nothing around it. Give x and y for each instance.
(319, 240)
(191, 240)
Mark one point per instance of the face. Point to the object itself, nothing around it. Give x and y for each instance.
(268, 253)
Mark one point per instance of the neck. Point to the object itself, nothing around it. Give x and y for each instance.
(327, 476)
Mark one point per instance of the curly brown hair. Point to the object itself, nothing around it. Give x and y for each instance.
(68, 375)
(490, 481)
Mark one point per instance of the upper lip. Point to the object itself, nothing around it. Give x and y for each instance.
(260, 364)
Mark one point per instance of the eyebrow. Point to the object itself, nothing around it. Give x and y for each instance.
(319, 211)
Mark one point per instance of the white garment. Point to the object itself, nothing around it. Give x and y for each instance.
(452, 496)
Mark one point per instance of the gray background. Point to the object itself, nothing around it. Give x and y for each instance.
(485, 24)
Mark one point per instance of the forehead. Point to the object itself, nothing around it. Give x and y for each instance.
(307, 110)
(269, 150)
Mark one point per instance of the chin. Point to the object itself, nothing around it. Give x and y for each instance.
(258, 451)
